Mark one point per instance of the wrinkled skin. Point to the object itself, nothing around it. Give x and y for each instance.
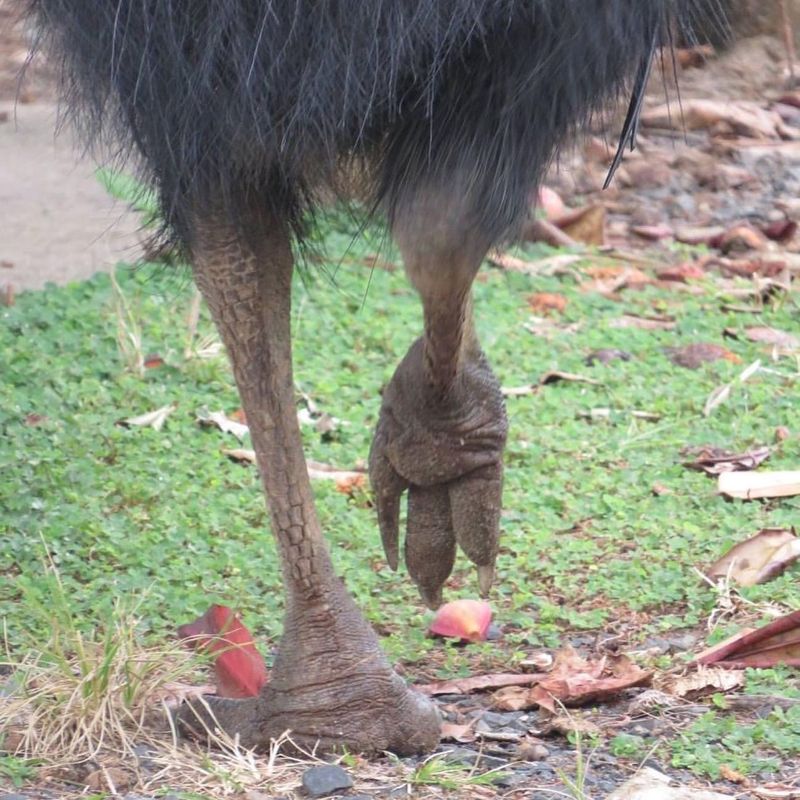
(447, 452)
(441, 433)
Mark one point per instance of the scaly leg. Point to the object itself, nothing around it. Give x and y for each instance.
(442, 427)
(330, 683)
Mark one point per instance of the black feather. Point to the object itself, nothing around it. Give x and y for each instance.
(222, 103)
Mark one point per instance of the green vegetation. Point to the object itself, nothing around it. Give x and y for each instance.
(163, 515)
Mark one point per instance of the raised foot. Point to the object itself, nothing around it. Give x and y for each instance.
(331, 689)
(447, 451)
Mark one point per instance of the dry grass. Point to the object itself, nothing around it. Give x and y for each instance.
(91, 710)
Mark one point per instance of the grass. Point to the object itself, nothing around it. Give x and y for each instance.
(587, 545)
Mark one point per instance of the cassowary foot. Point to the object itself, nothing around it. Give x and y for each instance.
(447, 452)
(331, 688)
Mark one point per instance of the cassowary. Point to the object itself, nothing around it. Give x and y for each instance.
(241, 114)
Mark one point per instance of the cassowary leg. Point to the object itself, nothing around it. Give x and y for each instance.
(330, 684)
(442, 426)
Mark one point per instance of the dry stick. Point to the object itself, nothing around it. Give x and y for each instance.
(788, 37)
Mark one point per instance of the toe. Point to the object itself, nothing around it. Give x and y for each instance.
(388, 486)
(430, 546)
(475, 504)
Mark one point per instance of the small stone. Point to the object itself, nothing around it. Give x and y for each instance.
(325, 780)
(14, 797)
(532, 751)
(360, 797)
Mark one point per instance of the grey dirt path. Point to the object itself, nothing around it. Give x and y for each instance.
(56, 222)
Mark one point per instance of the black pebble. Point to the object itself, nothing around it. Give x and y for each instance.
(322, 781)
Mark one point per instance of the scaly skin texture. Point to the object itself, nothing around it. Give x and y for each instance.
(442, 427)
(330, 686)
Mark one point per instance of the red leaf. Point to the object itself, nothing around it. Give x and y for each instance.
(238, 665)
(467, 620)
(766, 647)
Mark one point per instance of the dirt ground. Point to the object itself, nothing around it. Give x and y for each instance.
(57, 223)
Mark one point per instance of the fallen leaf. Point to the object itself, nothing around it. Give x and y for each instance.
(740, 238)
(682, 273)
(759, 559)
(750, 267)
(606, 355)
(467, 620)
(153, 361)
(652, 233)
(241, 454)
(570, 724)
(174, 694)
(545, 302)
(152, 419)
(585, 225)
(326, 472)
(607, 280)
(239, 667)
(773, 644)
(693, 356)
(511, 263)
(781, 231)
(742, 118)
(755, 485)
(706, 680)
(646, 323)
(730, 774)
(717, 397)
(224, 423)
(346, 479)
(776, 791)
(576, 681)
(458, 733)
(772, 336)
(554, 376)
(649, 784)
(695, 235)
(782, 433)
(479, 683)
(111, 779)
(715, 461)
(551, 203)
(659, 490)
(511, 698)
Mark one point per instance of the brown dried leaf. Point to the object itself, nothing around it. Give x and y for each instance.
(458, 733)
(576, 681)
(585, 225)
(554, 376)
(546, 302)
(479, 683)
(775, 643)
(759, 559)
(705, 681)
(567, 724)
(715, 461)
(693, 356)
(682, 273)
(772, 336)
(511, 698)
(742, 118)
(740, 238)
(645, 323)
